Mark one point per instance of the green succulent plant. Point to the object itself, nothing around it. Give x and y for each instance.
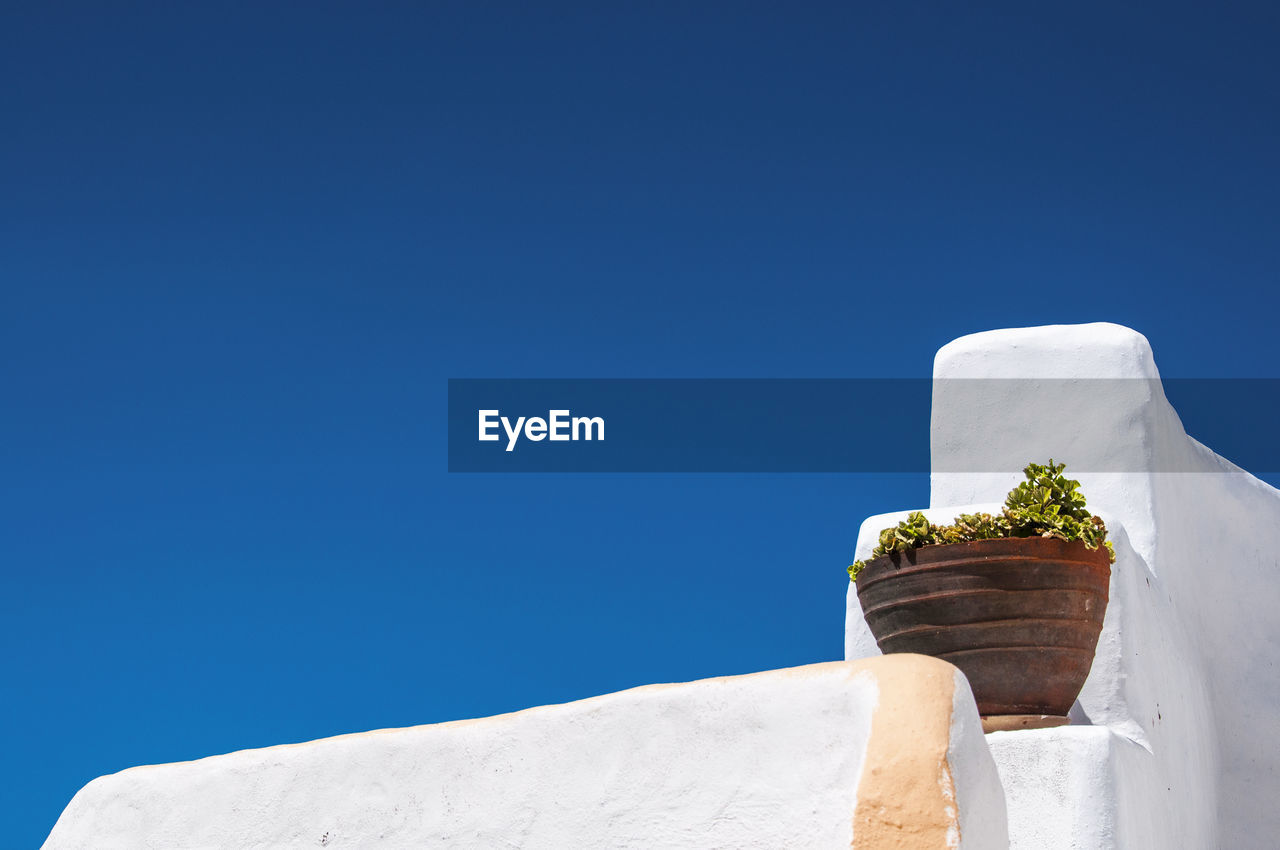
(1047, 504)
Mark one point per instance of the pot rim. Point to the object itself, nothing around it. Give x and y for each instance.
(1028, 549)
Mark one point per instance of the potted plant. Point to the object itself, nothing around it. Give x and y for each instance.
(1015, 600)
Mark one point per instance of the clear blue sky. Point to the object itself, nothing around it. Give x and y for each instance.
(243, 246)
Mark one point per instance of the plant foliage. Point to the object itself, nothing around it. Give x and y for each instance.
(1047, 504)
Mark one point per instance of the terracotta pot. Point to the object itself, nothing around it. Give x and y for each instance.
(1020, 617)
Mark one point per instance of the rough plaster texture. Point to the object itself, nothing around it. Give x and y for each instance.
(767, 760)
(1183, 697)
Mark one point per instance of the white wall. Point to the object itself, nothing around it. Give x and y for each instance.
(1184, 680)
(767, 760)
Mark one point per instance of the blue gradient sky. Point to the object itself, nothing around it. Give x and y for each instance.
(243, 246)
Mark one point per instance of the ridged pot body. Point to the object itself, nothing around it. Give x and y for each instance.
(1020, 616)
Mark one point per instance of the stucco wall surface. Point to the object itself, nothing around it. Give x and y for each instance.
(1182, 698)
(766, 760)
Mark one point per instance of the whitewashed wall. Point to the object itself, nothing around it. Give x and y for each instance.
(768, 760)
(1183, 696)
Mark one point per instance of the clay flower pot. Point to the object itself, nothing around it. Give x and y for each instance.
(1020, 616)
